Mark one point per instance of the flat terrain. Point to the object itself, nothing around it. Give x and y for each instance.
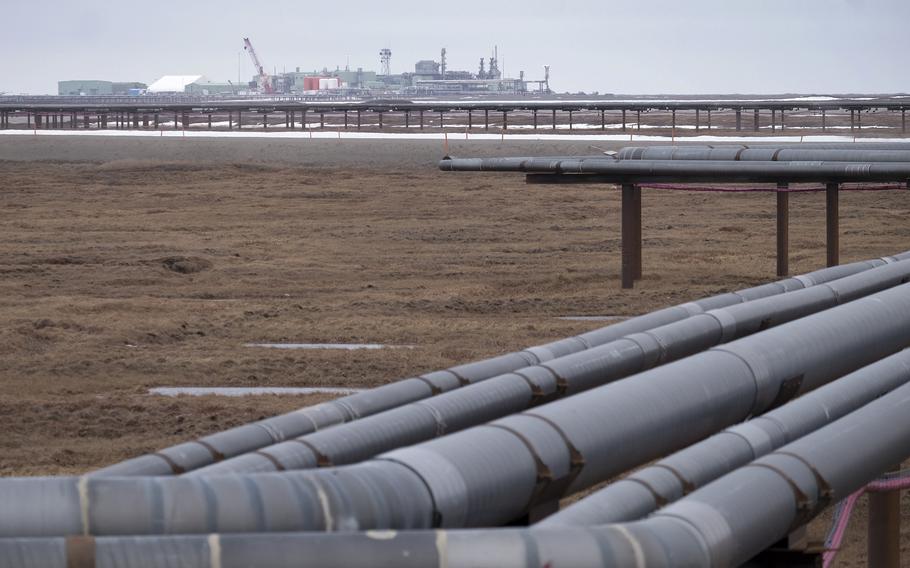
(135, 263)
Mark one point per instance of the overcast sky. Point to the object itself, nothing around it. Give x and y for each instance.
(637, 47)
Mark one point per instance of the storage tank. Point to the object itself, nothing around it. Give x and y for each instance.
(311, 83)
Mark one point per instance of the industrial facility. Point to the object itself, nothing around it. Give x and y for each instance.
(429, 77)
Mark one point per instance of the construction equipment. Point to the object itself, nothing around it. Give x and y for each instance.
(264, 79)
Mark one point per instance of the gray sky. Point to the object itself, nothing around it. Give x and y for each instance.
(641, 46)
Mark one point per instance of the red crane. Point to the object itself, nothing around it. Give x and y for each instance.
(265, 80)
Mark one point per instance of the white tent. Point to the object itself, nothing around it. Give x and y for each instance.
(173, 83)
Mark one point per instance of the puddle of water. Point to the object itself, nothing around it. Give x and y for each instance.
(593, 318)
(343, 346)
(248, 391)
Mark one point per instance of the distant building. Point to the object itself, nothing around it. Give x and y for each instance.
(205, 87)
(94, 87)
(173, 84)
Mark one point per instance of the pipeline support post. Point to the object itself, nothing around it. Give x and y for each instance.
(832, 221)
(884, 529)
(739, 120)
(783, 229)
(631, 234)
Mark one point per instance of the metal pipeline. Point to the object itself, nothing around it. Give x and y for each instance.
(665, 152)
(191, 455)
(719, 525)
(609, 170)
(491, 474)
(513, 392)
(762, 154)
(645, 491)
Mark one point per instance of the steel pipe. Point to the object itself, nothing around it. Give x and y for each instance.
(188, 456)
(719, 525)
(491, 474)
(645, 491)
(571, 374)
(742, 153)
(608, 170)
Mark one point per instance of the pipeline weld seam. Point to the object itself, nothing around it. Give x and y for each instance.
(274, 434)
(320, 457)
(442, 548)
(751, 372)
(434, 390)
(277, 464)
(325, 505)
(637, 550)
(437, 417)
(175, 468)
(214, 542)
(303, 412)
(82, 488)
(216, 455)
(659, 499)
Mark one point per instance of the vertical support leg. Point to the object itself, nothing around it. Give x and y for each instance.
(210, 121)
(554, 119)
(697, 120)
(471, 119)
(783, 230)
(441, 119)
(145, 121)
(884, 529)
(623, 119)
(637, 221)
(783, 123)
(638, 124)
(380, 120)
(505, 120)
(28, 119)
(230, 120)
(534, 115)
(603, 120)
(756, 125)
(239, 120)
(345, 119)
(421, 120)
(832, 218)
(486, 119)
(903, 120)
(322, 120)
(773, 120)
(359, 118)
(303, 125)
(176, 121)
(265, 121)
(859, 119)
(709, 119)
(673, 120)
(571, 122)
(739, 120)
(824, 120)
(628, 235)
(852, 120)
(407, 119)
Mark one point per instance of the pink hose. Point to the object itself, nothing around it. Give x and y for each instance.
(842, 517)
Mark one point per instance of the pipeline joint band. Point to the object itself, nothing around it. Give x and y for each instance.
(216, 455)
(825, 492)
(659, 499)
(271, 458)
(175, 467)
(434, 390)
(687, 485)
(544, 474)
(322, 460)
(804, 508)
